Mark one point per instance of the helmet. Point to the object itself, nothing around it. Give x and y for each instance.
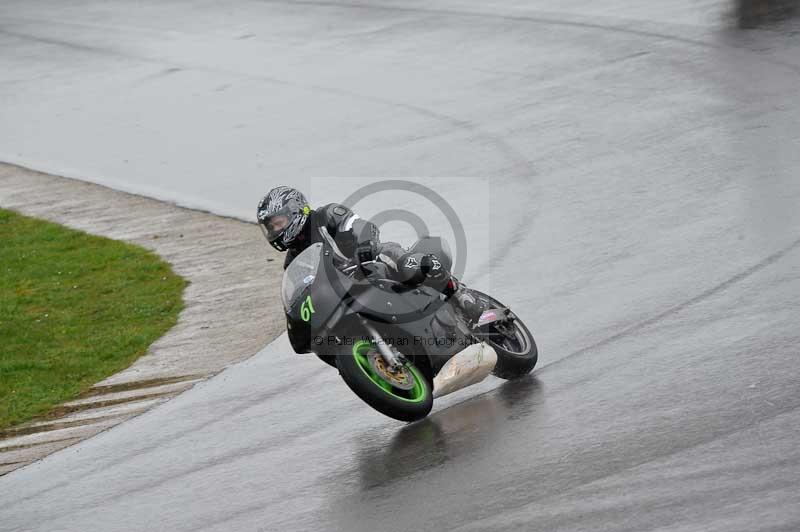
(282, 214)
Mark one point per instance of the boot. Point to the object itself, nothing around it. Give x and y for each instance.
(470, 307)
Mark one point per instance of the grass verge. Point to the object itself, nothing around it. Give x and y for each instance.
(74, 309)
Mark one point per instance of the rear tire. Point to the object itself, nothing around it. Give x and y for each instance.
(403, 405)
(511, 363)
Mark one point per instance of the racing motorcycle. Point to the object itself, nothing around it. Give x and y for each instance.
(397, 346)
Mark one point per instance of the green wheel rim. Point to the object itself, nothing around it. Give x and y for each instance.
(415, 395)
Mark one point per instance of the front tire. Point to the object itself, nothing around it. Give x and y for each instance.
(410, 402)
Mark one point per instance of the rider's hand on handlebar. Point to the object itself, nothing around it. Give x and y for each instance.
(365, 253)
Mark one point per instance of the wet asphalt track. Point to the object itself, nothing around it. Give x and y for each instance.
(644, 190)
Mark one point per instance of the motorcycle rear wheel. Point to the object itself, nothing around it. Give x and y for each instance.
(515, 346)
(410, 401)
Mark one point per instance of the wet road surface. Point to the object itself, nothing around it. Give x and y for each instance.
(640, 168)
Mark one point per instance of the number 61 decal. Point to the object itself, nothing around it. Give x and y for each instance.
(307, 309)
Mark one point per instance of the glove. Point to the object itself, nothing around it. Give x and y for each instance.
(365, 252)
(367, 239)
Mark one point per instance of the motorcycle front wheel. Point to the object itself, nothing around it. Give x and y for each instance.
(404, 394)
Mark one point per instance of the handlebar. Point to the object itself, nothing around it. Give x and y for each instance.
(347, 265)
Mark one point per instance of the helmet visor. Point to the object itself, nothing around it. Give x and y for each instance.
(274, 225)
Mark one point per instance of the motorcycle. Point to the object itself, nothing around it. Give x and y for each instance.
(397, 346)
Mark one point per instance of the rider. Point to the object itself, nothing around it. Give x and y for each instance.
(291, 225)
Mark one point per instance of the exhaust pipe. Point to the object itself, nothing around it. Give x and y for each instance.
(467, 367)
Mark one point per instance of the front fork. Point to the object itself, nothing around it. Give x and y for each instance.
(393, 360)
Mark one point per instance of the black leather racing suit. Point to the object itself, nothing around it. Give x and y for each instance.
(360, 239)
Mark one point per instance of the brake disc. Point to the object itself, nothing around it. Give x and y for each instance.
(399, 377)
